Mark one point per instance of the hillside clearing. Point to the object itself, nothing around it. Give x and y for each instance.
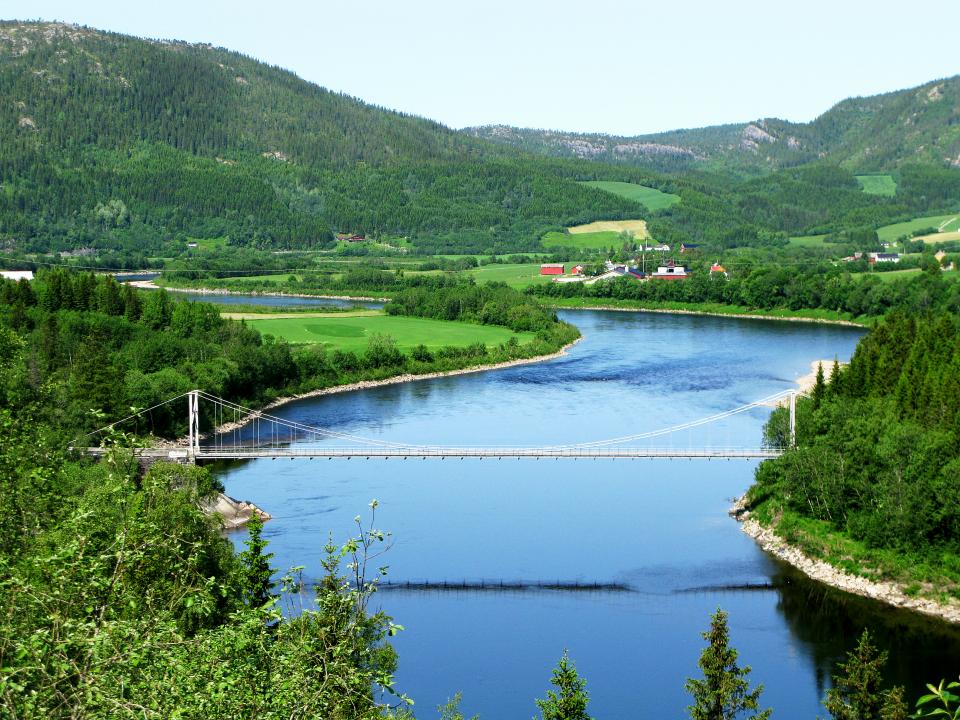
(589, 241)
(808, 241)
(944, 223)
(638, 228)
(649, 197)
(878, 184)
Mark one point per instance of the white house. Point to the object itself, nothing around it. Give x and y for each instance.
(16, 274)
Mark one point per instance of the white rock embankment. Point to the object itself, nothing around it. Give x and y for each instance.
(822, 571)
(235, 513)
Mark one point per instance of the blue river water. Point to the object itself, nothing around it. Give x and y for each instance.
(659, 528)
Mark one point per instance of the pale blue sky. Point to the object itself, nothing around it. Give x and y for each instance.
(604, 66)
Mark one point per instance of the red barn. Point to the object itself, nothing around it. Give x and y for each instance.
(551, 269)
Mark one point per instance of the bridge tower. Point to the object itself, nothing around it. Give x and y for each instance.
(193, 422)
(793, 419)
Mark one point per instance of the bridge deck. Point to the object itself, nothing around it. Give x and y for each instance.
(234, 453)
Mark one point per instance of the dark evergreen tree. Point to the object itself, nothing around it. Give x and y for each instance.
(724, 692)
(258, 580)
(858, 692)
(569, 700)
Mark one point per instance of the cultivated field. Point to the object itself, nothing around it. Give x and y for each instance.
(352, 331)
(638, 228)
(878, 184)
(516, 276)
(590, 241)
(939, 237)
(808, 241)
(649, 197)
(945, 223)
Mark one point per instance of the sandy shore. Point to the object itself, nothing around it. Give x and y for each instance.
(396, 379)
(806, 382)
(665, 311)
(821, 571)
(151, 285)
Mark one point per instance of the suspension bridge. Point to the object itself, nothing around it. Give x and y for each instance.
(242, 433)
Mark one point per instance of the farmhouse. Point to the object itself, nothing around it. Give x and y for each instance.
(688, 247)
(879, 257)
(718, 268)
(671, 271)
(16, 274)
(551, 269)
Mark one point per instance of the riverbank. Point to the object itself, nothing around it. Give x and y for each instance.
(395, 380)
(892, 593)
(151, 285)
(691, 309)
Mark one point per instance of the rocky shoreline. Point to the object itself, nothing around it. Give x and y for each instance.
(821, 571)
(234, 513)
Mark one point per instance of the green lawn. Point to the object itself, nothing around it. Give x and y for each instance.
(209, 243)
(878, 184)
(353, 332)
(808, 241)
(516, 276)
(592, 241)
(651, 198)
(889, 233)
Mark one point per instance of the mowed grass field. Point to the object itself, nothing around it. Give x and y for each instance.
(808, 241)
(946, 223)
(516, 276)
(878, 184)
(590, 241)
(939, 237)
(597, 235)
(352, 331)
(649, 197)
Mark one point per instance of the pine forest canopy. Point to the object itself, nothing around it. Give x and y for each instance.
(124, 144)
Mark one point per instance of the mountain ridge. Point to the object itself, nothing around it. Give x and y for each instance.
(858, 133)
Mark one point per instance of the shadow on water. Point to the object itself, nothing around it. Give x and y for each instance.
(920, 648)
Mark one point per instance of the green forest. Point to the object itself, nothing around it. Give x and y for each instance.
(877, 458)
(132, 148)
(120, 598)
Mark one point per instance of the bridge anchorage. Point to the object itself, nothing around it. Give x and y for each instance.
(241, 433)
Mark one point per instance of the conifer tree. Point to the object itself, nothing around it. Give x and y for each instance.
(569, 702)
(724, 692)
(819, 388)
(258, 583)
(857, 692)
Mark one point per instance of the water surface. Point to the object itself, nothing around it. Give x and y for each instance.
(658, 527)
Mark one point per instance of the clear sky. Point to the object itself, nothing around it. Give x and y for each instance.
(595, 66)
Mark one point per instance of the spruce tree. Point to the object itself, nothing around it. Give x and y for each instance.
(569, 702)
(258, 583)
(819, 388)
(724, 692)
(857, 694)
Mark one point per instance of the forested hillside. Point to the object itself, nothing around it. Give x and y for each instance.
(882, 132)
(877, 457)
(112, 141)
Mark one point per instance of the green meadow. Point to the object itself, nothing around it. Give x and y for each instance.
(649, 197)
(591, 241)
(878, 184)
(808, 241)
(516, 276)
(353, 331)
(889, 233)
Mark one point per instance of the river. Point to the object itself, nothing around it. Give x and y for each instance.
(658, 527)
